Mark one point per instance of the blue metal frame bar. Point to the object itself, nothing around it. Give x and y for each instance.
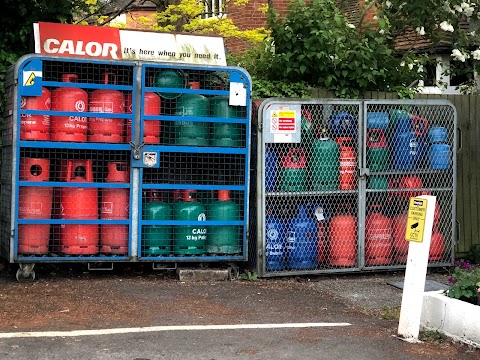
(74, 145)
(197, 150)
(194, 119)
(106, 185)
(80, 114)
(194, 187)
(76, 221)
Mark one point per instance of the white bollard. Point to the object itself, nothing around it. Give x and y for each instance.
(419, 233)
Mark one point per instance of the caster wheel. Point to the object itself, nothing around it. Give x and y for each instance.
(233, 272)
(25, 277)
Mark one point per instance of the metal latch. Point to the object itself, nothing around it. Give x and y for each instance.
(136, 150)
(364, 172)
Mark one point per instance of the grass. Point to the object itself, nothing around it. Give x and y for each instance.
(430, 335)
(390, 313)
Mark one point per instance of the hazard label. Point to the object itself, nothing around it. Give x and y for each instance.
(282, 122)
(29, 77)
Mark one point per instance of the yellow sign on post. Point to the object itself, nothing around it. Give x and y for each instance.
(417, 212)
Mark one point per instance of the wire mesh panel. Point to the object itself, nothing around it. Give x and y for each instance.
(310, 187)
(337, 177)
(73, 204)
(70, 161)
(194, 204)
(6, 174)
(409, 151)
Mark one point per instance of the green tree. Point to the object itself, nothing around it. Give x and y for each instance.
(317, 43)
(185, 16)
(16, 27)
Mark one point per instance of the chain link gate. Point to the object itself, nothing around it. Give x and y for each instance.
(335, 178)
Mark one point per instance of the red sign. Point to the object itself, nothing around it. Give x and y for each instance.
(286, 124)
(76, 40)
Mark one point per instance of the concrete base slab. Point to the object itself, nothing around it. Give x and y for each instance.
(203, 274)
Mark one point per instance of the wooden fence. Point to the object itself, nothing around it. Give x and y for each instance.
(468, 161)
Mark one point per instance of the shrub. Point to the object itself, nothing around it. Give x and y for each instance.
(465, 282)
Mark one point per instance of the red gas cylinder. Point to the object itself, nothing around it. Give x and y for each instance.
(378, 237)
(69, 128)
(322, 236)
(34, 202)
(437, 215)
(437, 246)
(348, 163)
(114, 206)
(400, 245)
(106, 130)
(151, 128)
(79, 203)
(322, 241)
(35, 127)
(343, 239)
(410, 182)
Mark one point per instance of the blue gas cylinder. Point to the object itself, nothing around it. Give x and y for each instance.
(275, 248)
(439, 156)
(408, 149)
(270, 169)
(377, 120)
(343, 123)
(302, 244)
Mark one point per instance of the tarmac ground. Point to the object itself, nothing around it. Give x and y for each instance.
(134, 313)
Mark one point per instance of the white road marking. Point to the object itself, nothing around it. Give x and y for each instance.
(21, 334)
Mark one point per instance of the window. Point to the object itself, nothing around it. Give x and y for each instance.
(430, 73)
(438, 80)
(214, 8)
(463, 73)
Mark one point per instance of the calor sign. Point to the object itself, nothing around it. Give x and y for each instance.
(77, 40)
(108, 43)
(70, 47)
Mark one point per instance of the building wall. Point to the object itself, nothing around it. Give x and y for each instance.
(138, 19)
(248, 17)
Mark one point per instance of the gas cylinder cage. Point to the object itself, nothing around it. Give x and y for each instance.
(335, 179)
(118, 161)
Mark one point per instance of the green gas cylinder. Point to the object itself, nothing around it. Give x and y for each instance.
(169, 78)
(189, 240)
(294, 171)
(325, 167)
(224, 239)
(190, 132)
(307, 128)
(377, 183)
(157, 240)
(224, 133)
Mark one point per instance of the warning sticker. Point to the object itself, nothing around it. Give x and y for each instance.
(29, 77)
(417, 212)
(282, 122)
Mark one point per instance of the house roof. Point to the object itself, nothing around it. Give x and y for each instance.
(409, 39)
